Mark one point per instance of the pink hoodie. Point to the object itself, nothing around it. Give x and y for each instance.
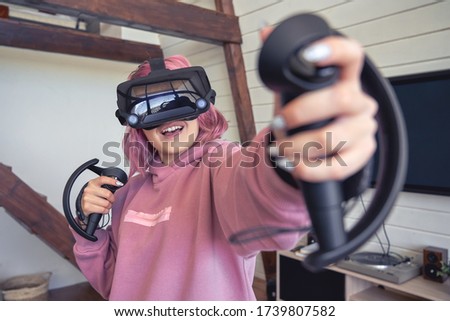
(168, 239)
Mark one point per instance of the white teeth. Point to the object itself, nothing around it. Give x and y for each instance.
(171, 129)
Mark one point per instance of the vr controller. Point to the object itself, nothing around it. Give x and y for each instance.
(93, 219)
(283, 70)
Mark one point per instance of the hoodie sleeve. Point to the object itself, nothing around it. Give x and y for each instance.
(249, 195)
(97, 259)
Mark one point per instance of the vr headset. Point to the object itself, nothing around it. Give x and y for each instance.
(164, 95)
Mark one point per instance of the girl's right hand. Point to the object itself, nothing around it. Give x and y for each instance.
(98, 199)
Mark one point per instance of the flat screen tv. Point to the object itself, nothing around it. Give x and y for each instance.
(425, 102)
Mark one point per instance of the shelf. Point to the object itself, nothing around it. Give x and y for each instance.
(363, 287)
(418, 286)
(376, 293)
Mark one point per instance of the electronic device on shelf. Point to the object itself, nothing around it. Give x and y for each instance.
(382, 266)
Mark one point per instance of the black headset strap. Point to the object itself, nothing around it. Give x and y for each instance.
(157, 64)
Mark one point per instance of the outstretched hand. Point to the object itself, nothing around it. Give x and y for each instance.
(343, 146)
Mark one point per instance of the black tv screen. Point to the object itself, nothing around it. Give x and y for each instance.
(425, 102)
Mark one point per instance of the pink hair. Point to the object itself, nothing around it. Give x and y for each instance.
(137, 149)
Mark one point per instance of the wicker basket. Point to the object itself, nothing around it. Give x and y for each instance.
(32, 287)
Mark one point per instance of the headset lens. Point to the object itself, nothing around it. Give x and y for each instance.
(150, 99)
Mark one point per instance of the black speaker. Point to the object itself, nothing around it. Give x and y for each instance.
(432, 258)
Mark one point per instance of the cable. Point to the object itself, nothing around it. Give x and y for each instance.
(376, 234)
(386, 253)
(256, 233)
(387, 239)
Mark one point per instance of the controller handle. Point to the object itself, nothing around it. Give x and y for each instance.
(297, 76)
(283, 70)
(94, 218)
(119, 175)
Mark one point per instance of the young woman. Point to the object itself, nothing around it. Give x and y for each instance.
(190, 191)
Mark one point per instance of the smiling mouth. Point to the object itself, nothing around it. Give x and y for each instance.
(172, 130)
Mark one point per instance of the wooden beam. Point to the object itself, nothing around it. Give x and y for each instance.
(34, 212)
(4, 11)
(162, 16)
(244, 111)
(238, 81)
(61, 40)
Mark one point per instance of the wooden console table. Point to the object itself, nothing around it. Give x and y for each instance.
(360, 287)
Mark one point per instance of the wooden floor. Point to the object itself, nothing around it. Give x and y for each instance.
(84, 292)
(77, 292)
